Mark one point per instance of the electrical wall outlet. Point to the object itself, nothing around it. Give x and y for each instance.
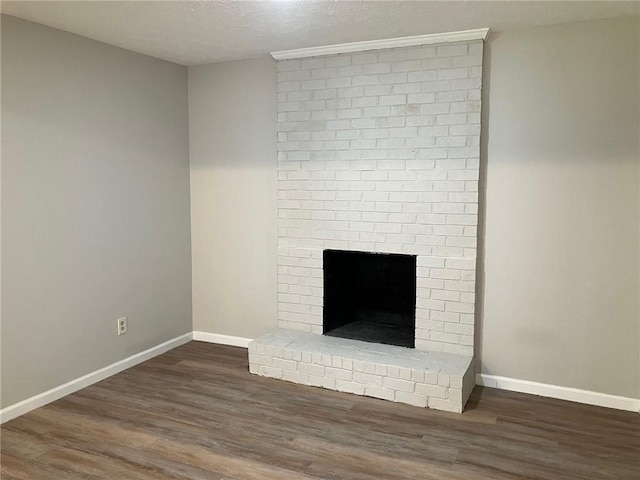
(122, 326)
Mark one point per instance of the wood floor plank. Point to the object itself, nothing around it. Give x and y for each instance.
(196, 413)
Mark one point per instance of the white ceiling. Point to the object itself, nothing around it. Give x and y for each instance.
(196, 32)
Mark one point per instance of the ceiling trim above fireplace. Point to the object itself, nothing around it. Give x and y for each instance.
(447, 37)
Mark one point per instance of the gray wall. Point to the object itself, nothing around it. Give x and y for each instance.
(561, 173)
(562, 207)
(232, 118)
(95, 206)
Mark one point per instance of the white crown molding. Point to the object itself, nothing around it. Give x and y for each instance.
(562, 393)
(461, 36)
(221, 339)
(25, 406)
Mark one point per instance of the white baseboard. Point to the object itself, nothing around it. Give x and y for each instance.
(503, 383)
(20, 408)
(562, 393)
(221, 339)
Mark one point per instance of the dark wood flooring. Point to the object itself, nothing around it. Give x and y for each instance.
(196, 413)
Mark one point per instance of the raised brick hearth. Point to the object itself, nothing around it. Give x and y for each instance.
(435, 379)
(378, 151)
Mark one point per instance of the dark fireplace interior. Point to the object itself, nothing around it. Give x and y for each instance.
(370, 297)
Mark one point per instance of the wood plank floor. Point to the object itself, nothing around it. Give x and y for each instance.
(196, 413)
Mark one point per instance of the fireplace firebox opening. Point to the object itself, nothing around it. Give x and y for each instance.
(370, 297)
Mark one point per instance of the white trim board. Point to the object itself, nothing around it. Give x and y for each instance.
(221, 339)
(562, 393)
(503, 383)
(448, 37)
(20, 408)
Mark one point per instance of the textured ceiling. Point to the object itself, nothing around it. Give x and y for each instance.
(196, 32)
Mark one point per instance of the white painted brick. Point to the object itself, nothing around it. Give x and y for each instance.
(462, 219)
(474, 94)
(285, 364)
(261, 359)
(364, 102)
(420, 52)
(455, 395)
(334, 103)
(398, 385)
(392, 99)
(350, 92)
(368, 378)
(311, 369)
(393, 78)
(381, 370)
(436, 63)
(361, 123)
(272, 372)
(455, 382)
(349, 113)
(451, 50)
(445, 295)
(422, 76)
(460, 307)
(420, 121)
(328, 94)
(459, 328)
(421, 98)
(349, 387)
(288, 65)
(467, 60)
(294, 75)
(460, 263)
(363, 58)
(338, 82)
(350, 146)
(327, 72)
(436, 391)
(453, 73)
(369, 367)
(364, 80)
(380, 111)
(377, 392)
(324, 382)
(458, 349)
(338, 374)
(295, 377)
(377, 68)
(416, 400)
(437, 305)
(309, 63)
(435, 86)
(467, 84)
(468, 297)
(446, 405)
(407, 88)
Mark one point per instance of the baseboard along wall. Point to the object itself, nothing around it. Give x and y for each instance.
(494, 381)
(503, 383)
(221, 339)
(42, 399)
(561, 393)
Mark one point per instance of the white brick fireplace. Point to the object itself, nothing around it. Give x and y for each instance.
(378, 151)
